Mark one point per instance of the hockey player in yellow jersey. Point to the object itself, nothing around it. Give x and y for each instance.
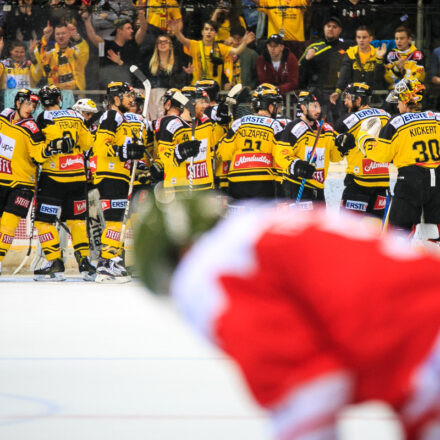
(20, 142)
(186, 162)
(411, 141)
(249, 147)
(295, 147)
(62, 191)
(114, 151)
(366, 182)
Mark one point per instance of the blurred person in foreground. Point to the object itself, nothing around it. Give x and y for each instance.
(257, 296)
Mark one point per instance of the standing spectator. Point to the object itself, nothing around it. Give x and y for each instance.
(227, 16)
(435, 77)
(211, 59)
(119, 53)
(405, 61)
(321, 62)
(165, 71)
(159, 13)
(16, 71)
(363, 63)
(24, 22)
(250, 14)
(244, 65)
(196, 13)
(62, 63)
(286, 18)
(278, 66)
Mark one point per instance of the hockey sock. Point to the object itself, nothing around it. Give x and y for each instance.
(110, 240)
(80, 240)
(49, 240)
(8, 225)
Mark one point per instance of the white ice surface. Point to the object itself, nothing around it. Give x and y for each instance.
(85, 361)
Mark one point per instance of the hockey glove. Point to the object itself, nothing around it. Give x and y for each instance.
(62, 145)
(344, 143)
(156, 172)
(131, 152)
(222, 116)
(186, 150)
(302, 169)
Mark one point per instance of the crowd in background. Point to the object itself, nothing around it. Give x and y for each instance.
(321, 45)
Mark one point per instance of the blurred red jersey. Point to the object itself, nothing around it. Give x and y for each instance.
(319, 310)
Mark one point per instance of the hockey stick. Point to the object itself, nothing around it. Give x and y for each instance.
(147, 86)
(310, 160)
(33, 209)
(192, 111)
(230, 98)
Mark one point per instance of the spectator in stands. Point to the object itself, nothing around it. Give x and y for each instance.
(315, 18)
(286, 18)
(211, 59)
(320, 65)
(227, 16)
(119, 53)
(195, 14)
(159, 13)
(405, 61)
(278, 66)
(165, 71)
(24, 22)
(104, 17)
(362, 63)
(62, 63)
(244, 70)
(16, 71)
(250, 14)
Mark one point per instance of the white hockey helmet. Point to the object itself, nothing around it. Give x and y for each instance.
(85, 105)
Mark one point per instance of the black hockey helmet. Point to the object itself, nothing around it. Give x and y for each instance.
(49, 95)
(194, 93)
(261, 99)
(118, 88)
(358, 90)
(211, 86)
(25, 95)
(305, 97)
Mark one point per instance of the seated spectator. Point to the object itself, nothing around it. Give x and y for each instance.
(165, 71)
(24, 22)
(405, 61)
(244, 68)
(62, 63)
(362, 63)
(16, 71)
(227, 16)
(211, 59)
(320, 65)
(159, 13)
(278, 66)
(121, 52)
(286, 18)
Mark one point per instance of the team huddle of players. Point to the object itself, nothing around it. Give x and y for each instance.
(198, 147)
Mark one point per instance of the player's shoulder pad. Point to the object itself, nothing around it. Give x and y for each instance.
(110, 120)
(277, 126)
(417, 55)
(133, 117)
(236, 124)
(7, 112)
(173, 124)
(30, 125)
(205, 119)
(298, 128)
(77, 115)
(62, 113)
(327, 127)
(396, 121)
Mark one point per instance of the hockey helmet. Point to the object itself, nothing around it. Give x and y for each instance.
(25, 95)
(169, 224)
(261, 99)
(85, 105)
(305, 97)
(194, 93)
(49, 95)
(169, 96)
(356, 90)
(266, 86)
(118, 88)
(211, 86)
(409, 91)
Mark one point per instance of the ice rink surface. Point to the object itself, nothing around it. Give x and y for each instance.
(86, 361)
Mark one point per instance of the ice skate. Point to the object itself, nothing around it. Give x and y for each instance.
(111, 271)
(52, 271)
(85, 267)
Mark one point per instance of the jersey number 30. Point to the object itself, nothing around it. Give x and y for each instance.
(428, 151)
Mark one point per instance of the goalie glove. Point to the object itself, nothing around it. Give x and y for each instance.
(344, 143)
(131, 152)
(368, 132)
(62, 145)
(364, 138)
(302, 169)
(187, 149)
